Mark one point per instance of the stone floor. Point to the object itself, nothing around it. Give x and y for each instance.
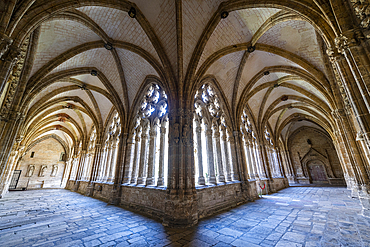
(296, 216)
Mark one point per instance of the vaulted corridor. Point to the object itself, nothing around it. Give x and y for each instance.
(296, 216)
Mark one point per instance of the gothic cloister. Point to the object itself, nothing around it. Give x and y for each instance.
(182, 109)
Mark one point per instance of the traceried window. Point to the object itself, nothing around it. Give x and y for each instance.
(109, 155)
(213, 141)
(148, 142)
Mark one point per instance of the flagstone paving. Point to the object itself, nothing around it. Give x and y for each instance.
(296, 216)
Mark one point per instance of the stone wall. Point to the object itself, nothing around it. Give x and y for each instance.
(103, 191)
(309, 145)
(152, 201)
(46, 157)
(148, 201)
(217, 198)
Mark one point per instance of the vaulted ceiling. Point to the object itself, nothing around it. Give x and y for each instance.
(267, 60)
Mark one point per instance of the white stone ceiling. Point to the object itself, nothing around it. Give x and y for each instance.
(149, 48)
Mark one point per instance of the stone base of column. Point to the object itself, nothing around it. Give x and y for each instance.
(235, 177)
(212, 180)
(201, 181)
(229, 178)
(133, 180)
(150, 181)
(221, 179)
(180, 213)
(292, 179)
(141, 180)
(126, 180)
(160, 181)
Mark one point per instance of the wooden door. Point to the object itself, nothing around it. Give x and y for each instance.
(317, 172)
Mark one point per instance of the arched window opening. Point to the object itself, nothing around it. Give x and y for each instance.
(213, 140)
(147, 151)
(109, 154)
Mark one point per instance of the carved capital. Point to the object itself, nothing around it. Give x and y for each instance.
(153, 132)
(360, 136)
(5, 42)
(208, 132)
(341, 43)
(12, 55)
(339, 113)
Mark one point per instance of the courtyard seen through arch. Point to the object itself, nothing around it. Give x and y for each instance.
(251, 114)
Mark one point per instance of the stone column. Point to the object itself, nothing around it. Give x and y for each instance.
(152, 155)
(199, 156)
(210, 155)
(80, 165)
(95, 163)
(7, 61)
(232, 156)
(162, 150)
(258, 160)
(279, 160)
(129, 159)
(108, 162)
(225, 151)
(270, 160)
(359, 109)
(143, 165)
(252, 158)
(181, 208)
(113, 161)
(136, 160)
(217, 153)
(103, 161)
(247, 157)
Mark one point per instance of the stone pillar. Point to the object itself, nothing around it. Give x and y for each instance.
(80, 165)
(95, 163)
(226, 154)
(270, 160)
(113, 161)
(129, 159)
(258, 160)
(181, 208)
(7, 61)
(217, 153)
(198, 133)
(108, 160)
(210, 155)
(247, 157)
(143, 165)
(152, 155)
(253, 158)
(162, 150)
(102, 165)
(136, 160)
(233, 157)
